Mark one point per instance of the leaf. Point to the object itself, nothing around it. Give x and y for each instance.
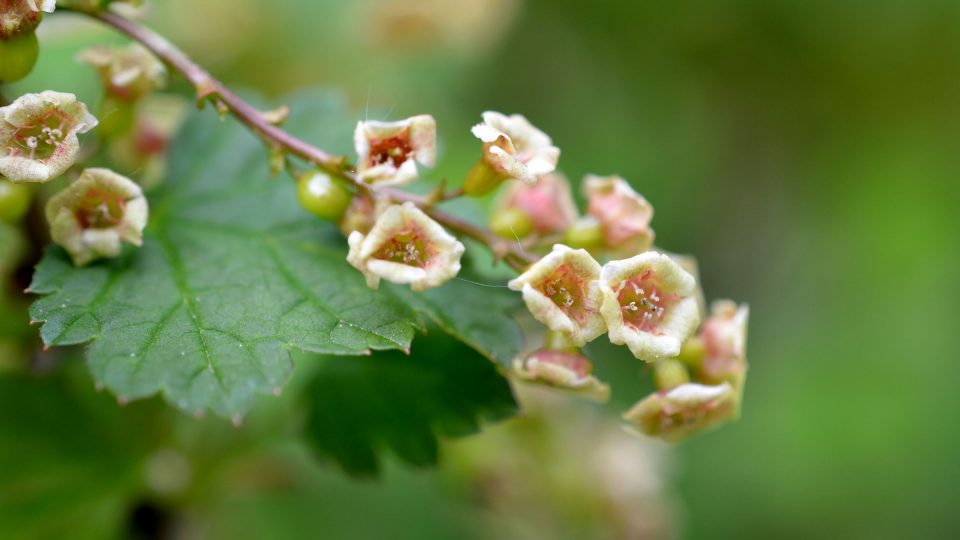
(69, 466)
(390, 401)
(234, 275)
(231, 276)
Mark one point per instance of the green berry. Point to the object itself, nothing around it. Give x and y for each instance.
(14, 201)
(17, 56)
(323, 196)
(511, 223)
(584, 233)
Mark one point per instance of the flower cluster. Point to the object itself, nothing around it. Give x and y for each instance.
(643, 298)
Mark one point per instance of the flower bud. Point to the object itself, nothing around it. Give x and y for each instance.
(561, 369)
(684, 410)
(649, 304)
(512, 148)
(323, 196)
(127, 73)
(724, 338)
(93, 216)
(388, 152)
(19, 17)
(548, 204)
(561, 291)
(14, 201)
(38, 135)
(623, 214)
(405, 246)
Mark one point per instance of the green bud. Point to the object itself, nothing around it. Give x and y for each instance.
(511, 223)
(14, 201)
(584, 233)
(669, 374)
(323, 196)
(17, 56)
(482, 179)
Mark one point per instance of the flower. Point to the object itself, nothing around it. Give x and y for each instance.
(405, 246)
(548, 203)
(561, 369)
(514, 148)
(561, 291)
(649, 304)
(681, 411)
(127, 72)
(93, 216)
(18, 16)
(38, 135)
(623, 214)
(724, 338)
(388, 152)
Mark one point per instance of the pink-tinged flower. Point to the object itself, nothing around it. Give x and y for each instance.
(514, 148)
(724, 338)
(548, 203)
(38, 135)
(682, 411)
(405, 246)
(18, 16)
(127, 72)
(388, 152)
(93, 216)
(561, 291)
(561, 369)
(649, 304)
(623, 214)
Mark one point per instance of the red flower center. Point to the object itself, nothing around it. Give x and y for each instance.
(406, 248)
(395, 150)
(643, 303)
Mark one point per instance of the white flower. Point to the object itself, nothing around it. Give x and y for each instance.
(561, 291)
(93, 216)
(724, 338)
(405, 246)
(623, 214)
(561, 369)
(514, 148)
(38, 135)
(388, 152)
(649, 304)
(683, 410)
(548, 203)
(42, 5)
(19, 16)
(127, 72)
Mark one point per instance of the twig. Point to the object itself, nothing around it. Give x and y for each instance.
(210, 89)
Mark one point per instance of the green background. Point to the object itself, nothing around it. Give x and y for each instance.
(806, 152)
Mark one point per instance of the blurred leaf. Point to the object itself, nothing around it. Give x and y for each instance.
(69, 459)
(390, 401)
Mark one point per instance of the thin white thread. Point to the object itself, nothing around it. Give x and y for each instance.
(484, 284)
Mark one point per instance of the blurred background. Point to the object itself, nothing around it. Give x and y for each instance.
(807, 153)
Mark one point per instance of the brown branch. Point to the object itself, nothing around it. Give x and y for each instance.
(209, 88)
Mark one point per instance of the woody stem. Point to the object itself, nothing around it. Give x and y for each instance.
(210, 89)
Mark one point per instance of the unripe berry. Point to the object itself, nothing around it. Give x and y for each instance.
(14, 201)
(321, 195)
(17, 56)
(511, 223)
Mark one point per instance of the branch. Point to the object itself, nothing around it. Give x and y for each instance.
(209, 88)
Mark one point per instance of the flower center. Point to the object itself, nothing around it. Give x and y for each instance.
(642, 303)
(393, 150)
(99, 209)
(39, 141)
(565, 290)
(405, 248)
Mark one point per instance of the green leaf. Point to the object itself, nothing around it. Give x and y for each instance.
(390, 401)
(231, 276)
(70, 460)
(234, 275)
